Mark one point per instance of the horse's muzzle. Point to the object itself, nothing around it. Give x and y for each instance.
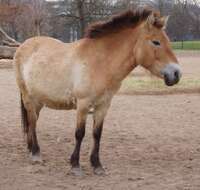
(171, 74)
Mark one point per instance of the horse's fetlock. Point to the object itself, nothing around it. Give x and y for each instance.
(74, 160)
(94, 159)
(35, 149)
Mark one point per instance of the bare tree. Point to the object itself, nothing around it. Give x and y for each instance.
(81, 16)
(38, 14)
(67, 19)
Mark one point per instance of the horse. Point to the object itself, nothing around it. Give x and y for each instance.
(87, 73)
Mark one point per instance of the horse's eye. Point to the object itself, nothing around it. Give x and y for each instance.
(156, 43)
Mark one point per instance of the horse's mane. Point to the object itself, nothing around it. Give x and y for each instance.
(124, 20)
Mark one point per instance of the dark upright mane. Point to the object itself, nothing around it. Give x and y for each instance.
(126, 19)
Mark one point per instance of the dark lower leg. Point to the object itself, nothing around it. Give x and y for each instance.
(32, 114)
(35, 147)
(32, 142)
(94, 158)
(79, 134)
(29, 143)
(27, 132)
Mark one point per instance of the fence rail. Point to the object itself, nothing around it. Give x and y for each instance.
(186, 45)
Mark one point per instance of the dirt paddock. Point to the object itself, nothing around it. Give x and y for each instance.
(148, 143)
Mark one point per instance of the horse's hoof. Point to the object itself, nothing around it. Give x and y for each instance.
(99, 171)
(36, 158)
(77, 171)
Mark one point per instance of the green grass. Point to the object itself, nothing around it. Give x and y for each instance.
(186, 45)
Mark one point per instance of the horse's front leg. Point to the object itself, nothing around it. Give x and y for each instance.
(82, 112)
(98, 117)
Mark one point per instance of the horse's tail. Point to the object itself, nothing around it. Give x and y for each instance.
(17, 64)
(24, 117)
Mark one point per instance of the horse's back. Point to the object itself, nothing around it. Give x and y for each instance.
(32, 46)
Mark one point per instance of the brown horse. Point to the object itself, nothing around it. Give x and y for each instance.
(86, 74)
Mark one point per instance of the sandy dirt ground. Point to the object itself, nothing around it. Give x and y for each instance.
(148, 143)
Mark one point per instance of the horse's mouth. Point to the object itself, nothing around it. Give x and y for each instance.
(171, 82)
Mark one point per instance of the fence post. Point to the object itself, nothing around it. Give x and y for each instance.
(182, 44)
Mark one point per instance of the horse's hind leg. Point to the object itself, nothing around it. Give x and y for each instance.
(30, 116)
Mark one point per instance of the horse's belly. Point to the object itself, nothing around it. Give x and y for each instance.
(66, 104)
(54, 90)
(56, 85)
(55, 99)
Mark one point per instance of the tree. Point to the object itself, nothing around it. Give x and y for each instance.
(38, 14)
(81, 16)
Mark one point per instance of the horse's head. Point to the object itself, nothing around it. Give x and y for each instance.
(153, 50)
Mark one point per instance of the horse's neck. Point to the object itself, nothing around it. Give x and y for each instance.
(118, 55)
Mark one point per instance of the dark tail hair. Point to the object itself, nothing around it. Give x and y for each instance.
(24, 117)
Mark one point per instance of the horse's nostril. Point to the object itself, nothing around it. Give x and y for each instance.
(166, 78)
(176, 74)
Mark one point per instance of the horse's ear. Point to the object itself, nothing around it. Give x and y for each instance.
(150, 21)
(157, 21)
(164, 21)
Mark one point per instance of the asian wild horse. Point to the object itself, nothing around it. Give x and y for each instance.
(86, 74)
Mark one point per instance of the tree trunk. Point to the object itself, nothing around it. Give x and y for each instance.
(80, 10)
(8, 45)
(38, 27)
(7, 40)
(7, 52)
